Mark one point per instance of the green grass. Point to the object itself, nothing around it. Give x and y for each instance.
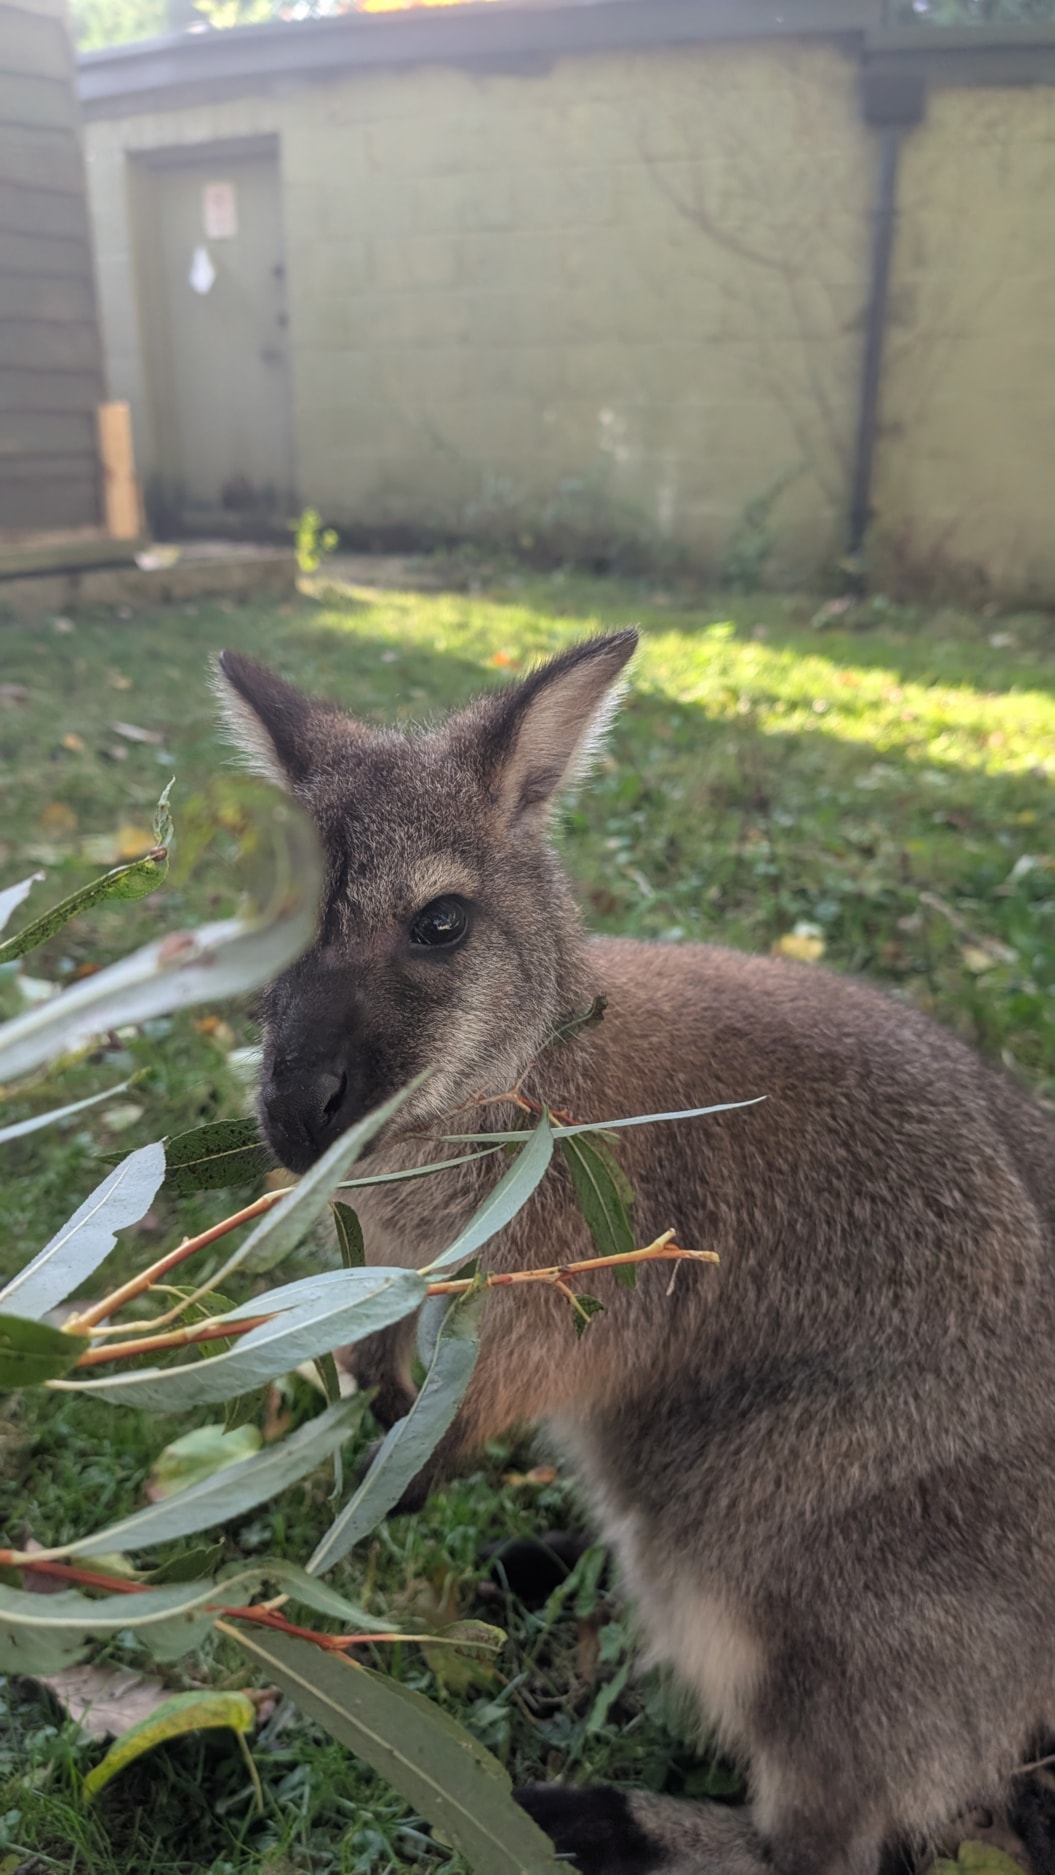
(880, 776)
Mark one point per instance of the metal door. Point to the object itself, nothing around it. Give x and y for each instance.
(216, 340)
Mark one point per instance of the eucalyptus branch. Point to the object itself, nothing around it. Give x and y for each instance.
(260, 1613)
(556, 1275)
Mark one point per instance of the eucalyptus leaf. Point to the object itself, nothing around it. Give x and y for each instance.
(124, 1196)
(13, 896)
(210, 1158)
(231, 1493)
(579, 1021)
(339, 1306)
(173, 1718)
(163, 816)
(198, 1455)
(20, 1128)
(423, 1752)
(185, 967)
(309, 1592)
(189, 1565)
(349, 1236)
(426, 1171)
(604, 1195)
(32, 1352)
(512, 1191)
(135, 880)
(605, 1126)
(38, 1633)
(412, 1440)
(583, 1312)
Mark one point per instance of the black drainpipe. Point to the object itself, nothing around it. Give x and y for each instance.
(892, 102)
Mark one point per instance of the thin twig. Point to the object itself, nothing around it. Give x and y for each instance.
(82, 1323)
(179, 1338)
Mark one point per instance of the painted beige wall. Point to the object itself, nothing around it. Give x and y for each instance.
(618, 299)
(966, 461)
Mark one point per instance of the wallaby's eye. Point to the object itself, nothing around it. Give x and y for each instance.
(440, 926)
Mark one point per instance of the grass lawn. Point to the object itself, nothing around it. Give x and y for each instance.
(876, 783)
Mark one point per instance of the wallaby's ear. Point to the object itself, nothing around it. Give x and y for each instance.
(542, 732)
(266, 719)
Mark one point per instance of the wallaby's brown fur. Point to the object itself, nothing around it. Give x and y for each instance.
(826, 1467)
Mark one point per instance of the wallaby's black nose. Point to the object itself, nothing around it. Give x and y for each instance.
(332, 1089)
(301, 1119)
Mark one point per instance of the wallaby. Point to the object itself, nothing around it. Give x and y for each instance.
(825, 1466)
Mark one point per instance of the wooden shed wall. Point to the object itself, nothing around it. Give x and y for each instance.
(51, 375)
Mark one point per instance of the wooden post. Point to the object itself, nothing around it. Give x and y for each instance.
(122, 507)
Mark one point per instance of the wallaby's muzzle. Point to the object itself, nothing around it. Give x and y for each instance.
(320, 1074)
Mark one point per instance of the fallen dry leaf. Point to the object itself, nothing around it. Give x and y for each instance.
(73, 742)
(799, 946)
(105, 1701)
(539, 1474)
(217, 1029)
(57, 819)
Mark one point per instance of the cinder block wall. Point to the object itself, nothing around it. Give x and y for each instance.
(617, 301)
(623, 298)
(966, 458)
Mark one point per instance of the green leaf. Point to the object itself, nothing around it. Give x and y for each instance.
(586, 1307)
(326, 1368)
(412, 1439)
(174, 1718)
(186, 967)
(135, 880)
(333, 1308)
(436, 1765)
(21, 1127)
(13, 895)
(463, 1655)
(88, 1237)
(189, 1565)
(423, 1171)
(207, 1158)
(579, 1021)
(512, 1191)
(163, 816)
(39, 1633)
(606, 1698)
(230, 1493)
(605, 1197)
(605, 1126)
(977, 1858)
(32, 1352)
(198, 1455)
(349, 1235)
(309, 1592)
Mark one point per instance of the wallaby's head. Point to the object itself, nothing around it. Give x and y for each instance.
(448, 939)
